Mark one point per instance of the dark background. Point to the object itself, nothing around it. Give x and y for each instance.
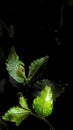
(39, 30)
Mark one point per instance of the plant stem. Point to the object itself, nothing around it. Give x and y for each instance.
(44, 119)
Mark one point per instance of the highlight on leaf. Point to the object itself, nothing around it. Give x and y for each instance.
(36, 65)
(16, 115)
(15, 67)
(43, 103)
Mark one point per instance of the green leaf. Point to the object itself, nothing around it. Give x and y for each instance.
(15, 66)
(36, 65)
(43, 103)
(16, 114)
(23, 103)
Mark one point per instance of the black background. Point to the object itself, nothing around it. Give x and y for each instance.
(36, 28)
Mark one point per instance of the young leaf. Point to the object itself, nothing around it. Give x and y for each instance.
(15, 66)
(16, 114)
(43, 103)
(23, 102)
(36, 65)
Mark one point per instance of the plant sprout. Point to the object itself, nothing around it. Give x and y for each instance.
(42, 90)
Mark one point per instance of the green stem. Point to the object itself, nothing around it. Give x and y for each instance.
(44, 119)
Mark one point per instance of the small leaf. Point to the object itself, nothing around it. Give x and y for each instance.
(16, 114)
(23, 103)
(43, 103)
(15, 66)
(36, 65)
